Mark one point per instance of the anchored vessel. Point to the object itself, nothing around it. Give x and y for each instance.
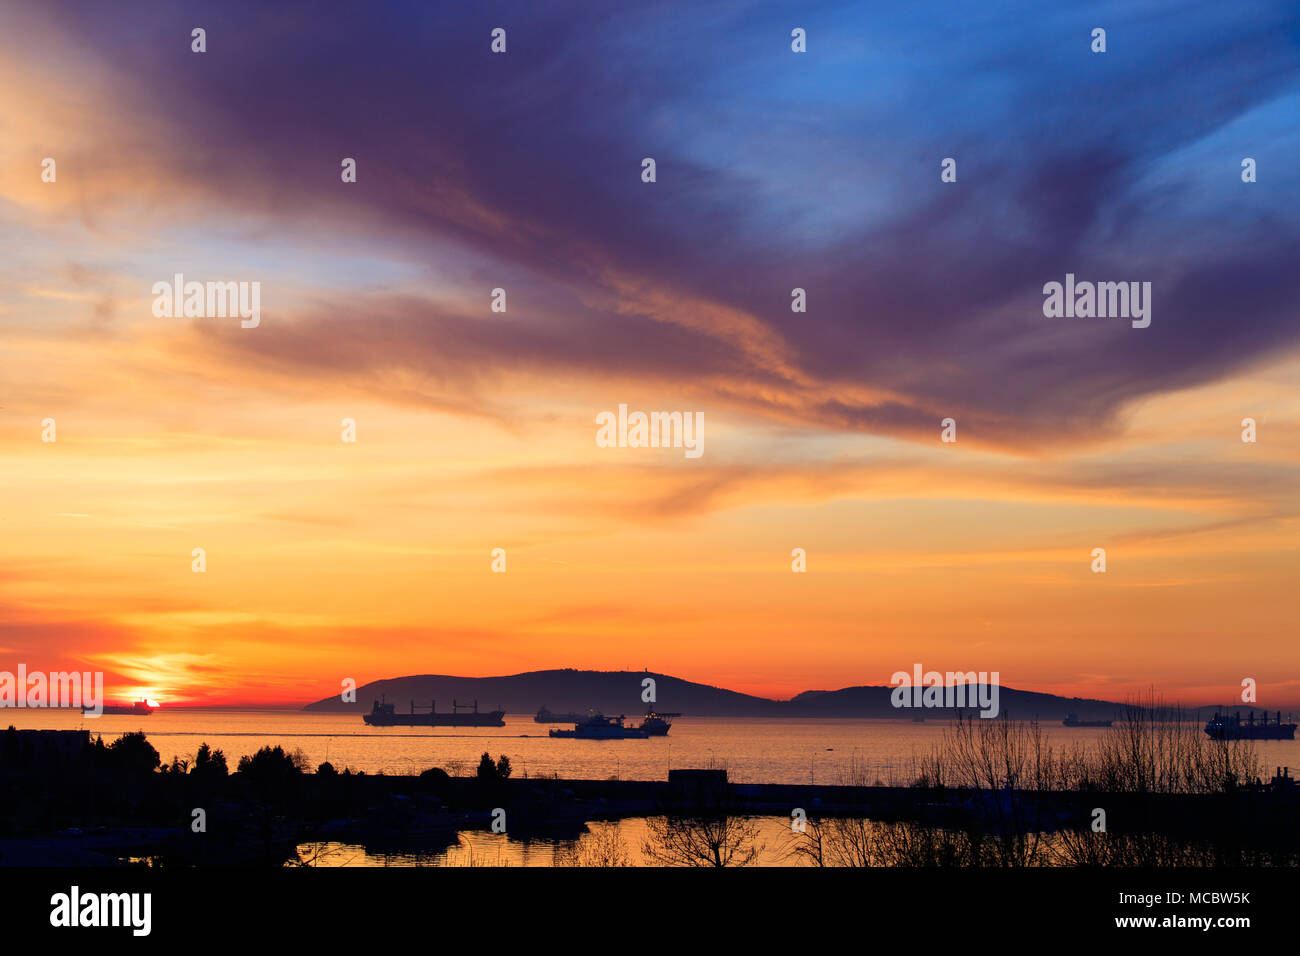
(544, 716)
(383, 715)
(600, 727)
(1232, 727)
(140, 708)
(1072, 720)
(656, 725)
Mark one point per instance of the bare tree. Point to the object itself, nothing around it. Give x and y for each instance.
(835, 841)
(321, 853)
(1006, 769)
(712, 839)
(1154, 749)
(1001, 787)
(601, 847)
(859, 842)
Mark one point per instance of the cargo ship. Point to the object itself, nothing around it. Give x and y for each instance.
(1232, 727)
(140, 708)
(384, 715)
(1072, 720)
(600, 727)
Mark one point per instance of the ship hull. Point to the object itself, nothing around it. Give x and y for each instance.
(626, 734)
(494, 718)
(1271, 732)
(600, 727)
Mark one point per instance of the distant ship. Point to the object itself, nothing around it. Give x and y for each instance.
(140, 708)
(656, 725)
(600, 727)
(1232, 727)
(1072, 720)
(383, 715)
(544, 716)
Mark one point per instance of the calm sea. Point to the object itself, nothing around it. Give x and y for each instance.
(753, 750)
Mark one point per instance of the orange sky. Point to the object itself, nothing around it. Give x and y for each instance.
(328, 560)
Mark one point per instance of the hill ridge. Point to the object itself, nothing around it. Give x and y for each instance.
(620, 691)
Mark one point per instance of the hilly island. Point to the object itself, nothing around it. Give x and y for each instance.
(621, 692)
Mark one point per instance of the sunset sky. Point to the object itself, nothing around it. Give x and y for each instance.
(475, 430)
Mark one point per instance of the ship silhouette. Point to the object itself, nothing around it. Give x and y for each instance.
(1232, 727)
(140, 708)
(1072, 720)
(384, 715)
(600, 727)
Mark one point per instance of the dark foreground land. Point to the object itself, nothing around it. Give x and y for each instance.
(71, 802)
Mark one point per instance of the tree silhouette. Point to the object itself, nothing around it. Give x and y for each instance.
(209, 762)
(487, 770)
(133, 754)
(270, 766)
